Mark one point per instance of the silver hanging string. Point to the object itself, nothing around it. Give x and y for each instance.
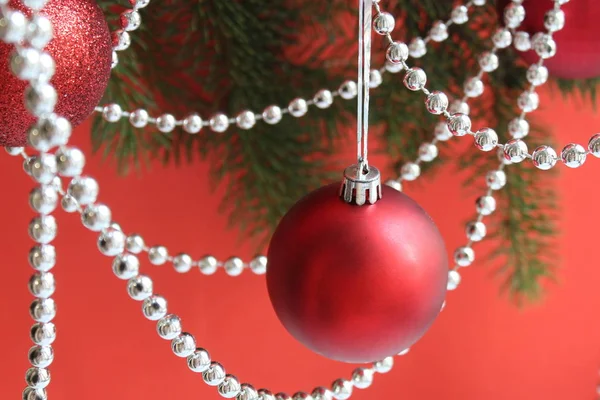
(365, 21)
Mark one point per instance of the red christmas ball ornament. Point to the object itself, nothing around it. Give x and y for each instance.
(82, 51)
(357, 283)
(578, 43)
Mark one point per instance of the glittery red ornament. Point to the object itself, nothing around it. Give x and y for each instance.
(578, 43)
(82, 51)
(357, 283)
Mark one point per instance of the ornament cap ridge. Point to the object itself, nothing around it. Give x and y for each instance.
(360, 186)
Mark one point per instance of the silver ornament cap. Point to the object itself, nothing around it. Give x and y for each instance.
(361, 185)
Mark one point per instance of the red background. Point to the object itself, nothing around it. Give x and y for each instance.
(481, 347)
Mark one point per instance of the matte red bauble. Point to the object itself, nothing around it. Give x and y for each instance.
(357, 283)
(578, 43)
(82, 51)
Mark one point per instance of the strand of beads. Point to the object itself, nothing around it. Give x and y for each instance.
(298, 107)
(30, 63)
(130, 21)
(486, 139)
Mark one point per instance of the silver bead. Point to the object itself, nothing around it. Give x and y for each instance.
(154, 307)
(460, 15)
(514, 14)
(473, 87)
(342, 389)
(114, 60)
(111, 242)
(439, 31)
(14, 151)
(25, 63)
(397, 52)
(301, 396)
(437, 102)
(537, 74)
(43, 229)
(84, 189)
(214, 374)
(486, 139)
(384, 366)
(126, 266)
(488, 61)
(554, 20)
(321, 393)
(283, 396)
(544, 157)
(394, 184)
(464, 256)
(28, 164)
(415, 79)
(34, 394)
(121, 40)
(258, 265)
(234, 266)
(182, 263)
(199, 361)
(323, 99)
(183, 345)
(441, 132)
(476, 231)
(230, 387)
(130, 20)
(37, 378)
(135, 244)
(96, 217)
(264, 394)
(298, 107)
(158, 255)
(43, 199)
(384, 23)
(500, 154)
(272, 114)
(428, 152)
(41, 356)
(515, 150)
(245, 120)
(51, 130)
(140, 287)
(502, 38)
(453, 280)
(495, 180)
(393, 68)
(70, 161)
(459, 124)
(208, 265)
(192, 124)
(42, 285)
(410, 171)
(169, 327)
(573, 155)
(518, 128)
(13, 26)
(375, 79)
(139, 118)
(522, 41)
(137, 4)
(166, 123)
(112, 112)
(219, 123)
(348, 90)
(43, 334)
(247, 392)
(42, 257)
(528, 101)
(417, 48)
(43, 168)
(544, 45)
(35, 4)
(43, 310)
(362, 377)
(594, 145)
(485, 205)
(479, 2)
